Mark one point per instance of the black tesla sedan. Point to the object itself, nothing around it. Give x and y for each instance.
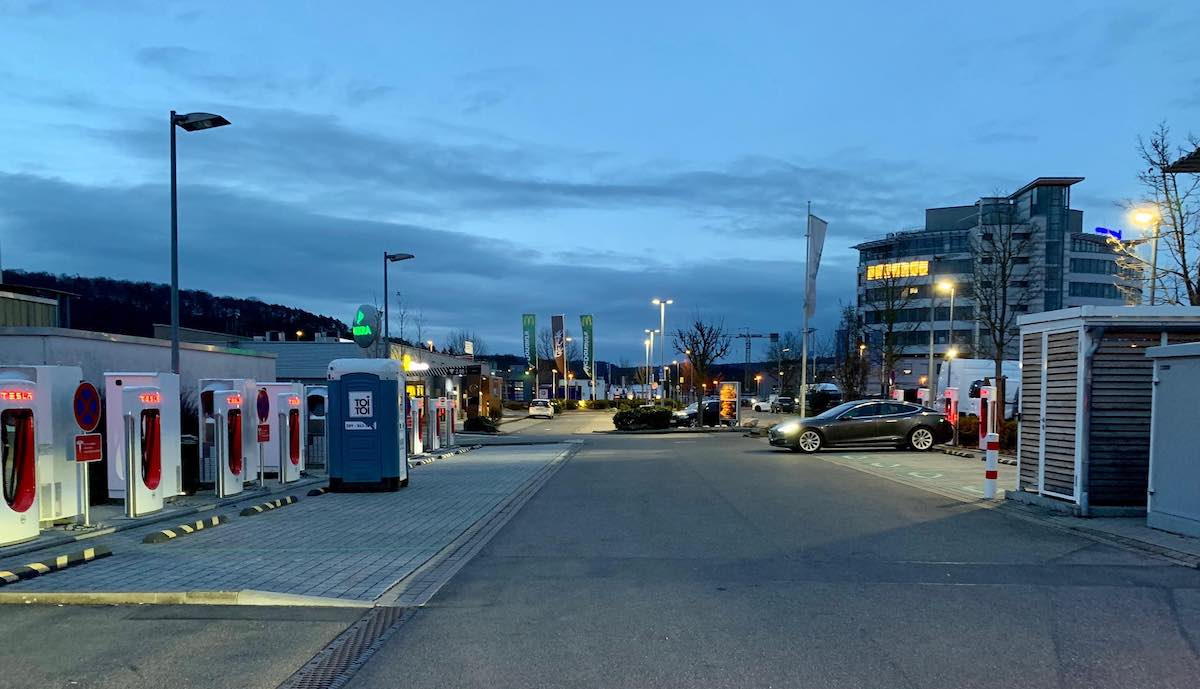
(865, 422)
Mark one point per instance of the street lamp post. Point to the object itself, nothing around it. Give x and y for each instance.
(646, 378)
(678, 387)
(650, 361)
(662, 330)
(389, 258)
(943, 286)
(950, 354)
(191, 122)
(1143, 218)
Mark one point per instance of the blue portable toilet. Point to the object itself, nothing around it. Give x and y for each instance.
(365, 425)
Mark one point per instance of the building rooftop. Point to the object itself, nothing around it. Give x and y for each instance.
(1047, 182)
(1188, 163)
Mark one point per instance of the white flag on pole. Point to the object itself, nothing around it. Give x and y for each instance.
(816, 242)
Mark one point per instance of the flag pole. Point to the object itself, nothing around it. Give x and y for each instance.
(804, 334)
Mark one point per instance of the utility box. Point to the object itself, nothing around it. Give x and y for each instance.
(168, 428)
(366, 425)
(1085, 403)
(57, 473)
(1173, 493)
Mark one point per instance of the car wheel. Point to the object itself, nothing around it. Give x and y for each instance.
(809, 441)
(920, 438)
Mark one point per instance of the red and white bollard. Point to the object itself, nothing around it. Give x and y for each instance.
(990, 466)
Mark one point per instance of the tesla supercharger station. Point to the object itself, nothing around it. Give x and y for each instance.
(18, 461)
(247, 393)
(433, 422)
(270, 449)
(289, 440)
(923, 396)
(987, 414)
(446, 420)
(416, 433)
(316, 399)
(169, 432)
(140, 432)
(228, 419)
(898, 395)
(366, 425)
(59, 494)
(950, 405)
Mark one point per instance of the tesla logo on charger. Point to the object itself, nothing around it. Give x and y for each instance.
(16, 396)
(150, 398)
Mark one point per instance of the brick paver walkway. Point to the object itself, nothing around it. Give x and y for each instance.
(350, 546)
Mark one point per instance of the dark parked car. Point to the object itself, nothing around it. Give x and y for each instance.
(687, 415)
(783, 404)
(865, 422)
(822, 396)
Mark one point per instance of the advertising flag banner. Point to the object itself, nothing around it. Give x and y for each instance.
(529, 339)
(816, 242)
(558, 332)
(589, 361)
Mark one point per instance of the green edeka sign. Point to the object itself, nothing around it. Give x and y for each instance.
(365, 327)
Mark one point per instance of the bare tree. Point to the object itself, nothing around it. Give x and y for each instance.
(851, 367)
(455, 342)
(888, 302)
(1004, 281)
(707, 342)
(419, 324)
(1174, 201)
(401, 313)
(784, 355)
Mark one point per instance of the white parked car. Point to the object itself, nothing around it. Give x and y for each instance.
(760, 405)
(541, 408)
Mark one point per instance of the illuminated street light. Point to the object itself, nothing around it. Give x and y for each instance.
(1145, 218)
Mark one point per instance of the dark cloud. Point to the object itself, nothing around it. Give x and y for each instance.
(248, 246)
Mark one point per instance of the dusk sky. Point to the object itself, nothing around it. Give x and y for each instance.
(541, 157)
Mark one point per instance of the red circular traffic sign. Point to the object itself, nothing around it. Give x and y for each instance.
(87, 407)
(263, 405)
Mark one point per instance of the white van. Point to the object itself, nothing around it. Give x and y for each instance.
(968, 374)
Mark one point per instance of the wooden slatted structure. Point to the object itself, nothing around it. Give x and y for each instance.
(1086, 391)
(1029, 428)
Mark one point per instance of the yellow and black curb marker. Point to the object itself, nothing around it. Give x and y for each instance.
(267, 506)
(184, 529)
(35, 569)
(318, 491)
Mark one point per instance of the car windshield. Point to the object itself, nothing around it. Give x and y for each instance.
(834, 412)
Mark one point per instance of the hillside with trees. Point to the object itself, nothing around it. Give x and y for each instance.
(132, 308)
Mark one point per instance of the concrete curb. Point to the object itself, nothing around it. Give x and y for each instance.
(53, 564)
(268, 506)
(244, 597)
(674, 431)
(138, 523)
(429, 457)
(973, 454)
(174, 532)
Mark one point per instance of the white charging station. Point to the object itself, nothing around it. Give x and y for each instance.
(416, 432)
(169, 435)
(278, 401)
(247, 390)
(228, 449)
(18, 461)
(987, 414)
(142, 448)
(59, 496)
(288, 435)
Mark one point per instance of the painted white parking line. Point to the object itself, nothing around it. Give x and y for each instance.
(884, 466)
(925, 474)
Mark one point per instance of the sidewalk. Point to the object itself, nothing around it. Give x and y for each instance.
(336, 548)
(961, 478)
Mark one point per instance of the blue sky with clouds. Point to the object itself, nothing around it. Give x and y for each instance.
(552, 158)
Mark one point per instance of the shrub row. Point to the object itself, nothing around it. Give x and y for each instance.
(968, 432)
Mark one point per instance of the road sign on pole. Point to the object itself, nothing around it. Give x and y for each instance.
(89, 447)
(86, 406)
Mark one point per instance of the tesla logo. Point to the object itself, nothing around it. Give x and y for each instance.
(234, 400)
(16, 395)
(150, 398)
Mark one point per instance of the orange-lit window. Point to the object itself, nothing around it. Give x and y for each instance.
(16, 395)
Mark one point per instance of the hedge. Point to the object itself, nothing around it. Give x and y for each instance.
(639, 419)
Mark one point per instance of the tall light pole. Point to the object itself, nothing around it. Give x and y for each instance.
(677, 386)
(389, 258)
(1144, 217)
(191, 122)
(645, 379)
(662, 330)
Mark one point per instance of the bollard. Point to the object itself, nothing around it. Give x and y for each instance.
(990, 471)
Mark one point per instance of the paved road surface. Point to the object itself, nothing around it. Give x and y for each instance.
(710, 561)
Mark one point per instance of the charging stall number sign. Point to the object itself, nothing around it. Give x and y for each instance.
(360, 407)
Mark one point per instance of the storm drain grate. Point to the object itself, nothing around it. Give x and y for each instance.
(335, 664)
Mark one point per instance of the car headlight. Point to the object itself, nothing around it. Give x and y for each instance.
(788, 428)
